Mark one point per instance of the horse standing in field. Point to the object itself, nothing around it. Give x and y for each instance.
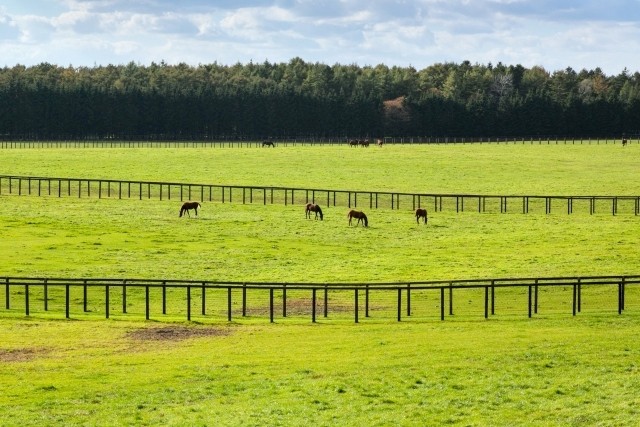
(187, 206)
(379, 142)
(360, 216)
(421, 213)
(353, 143)
(268, 144)
(312, 207)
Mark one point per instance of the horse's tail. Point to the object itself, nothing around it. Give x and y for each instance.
(199, 205)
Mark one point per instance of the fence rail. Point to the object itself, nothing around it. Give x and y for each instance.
(399, 300)
(108, 188)
(142, 141)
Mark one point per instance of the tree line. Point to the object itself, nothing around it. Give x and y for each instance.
(303, 99)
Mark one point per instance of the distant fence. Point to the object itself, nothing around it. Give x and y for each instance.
(144, 142)
(398, 301)
(107, 188)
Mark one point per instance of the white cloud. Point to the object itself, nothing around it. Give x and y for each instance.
(552, 33)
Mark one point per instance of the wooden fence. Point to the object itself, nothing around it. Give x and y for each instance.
(399, 301)
(105, 188)
(143, 142)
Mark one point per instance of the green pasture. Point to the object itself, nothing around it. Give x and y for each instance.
(553, 369)
(471, 169)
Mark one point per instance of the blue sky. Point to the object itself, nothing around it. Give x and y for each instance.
(554, 34)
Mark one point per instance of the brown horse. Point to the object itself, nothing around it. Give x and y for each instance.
(187, 206)
(312, 207)
(353, 143)
(268, 144)
(421, 213)
(360, 216)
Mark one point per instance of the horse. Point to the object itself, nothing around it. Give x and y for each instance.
(624, 142)
(360, 216)
(312, 207)
(363, 142)
(187, 206)
(421, 213)
(268, 144)
(353, 143)
(379, 142)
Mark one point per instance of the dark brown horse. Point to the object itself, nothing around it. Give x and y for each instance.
(360, 216)
(268, 144)
(312, 207)
(421, 213)
(187, 206)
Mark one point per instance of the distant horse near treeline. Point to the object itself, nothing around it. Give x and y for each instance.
(187, 206)
(312, 207)
(360, 216)
(421, 213)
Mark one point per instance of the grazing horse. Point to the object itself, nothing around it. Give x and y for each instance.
(360, 216)
(187, 206)
(353, 143)
(421, 213)
(312, 207)
(379, 142)
(624, 142)
(268, 144)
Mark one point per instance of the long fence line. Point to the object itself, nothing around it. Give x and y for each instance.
(109, 188)
(322, 299)
(143, 142)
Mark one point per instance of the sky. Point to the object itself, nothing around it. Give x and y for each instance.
(554, 34)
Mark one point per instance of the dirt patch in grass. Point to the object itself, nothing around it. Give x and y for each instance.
(176, 333)
(21, 354)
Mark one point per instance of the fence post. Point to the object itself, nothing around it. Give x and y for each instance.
(408, 299)
(493, 297)
(106, 301)
(46, 295)
(124, 296)
(66, 300)
(146, 298)
(326, 301)
(442, 303)
(84, 296)
(399, 303)
(529, 302)
(271, 305)
(244, 300)
(164, 297)
(204, 299)
(313, 305)
(575, 291)
(366, 301)
(26, 299)
(579, 295)
(450, 299)
(229, 303)
(356, 304)
(189, 302)
(486, 302)
(6, 295)
(284, 300)
(620, 297)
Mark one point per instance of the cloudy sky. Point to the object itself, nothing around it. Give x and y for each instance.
(555, 34)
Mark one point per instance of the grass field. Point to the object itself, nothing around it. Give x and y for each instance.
(551, 370)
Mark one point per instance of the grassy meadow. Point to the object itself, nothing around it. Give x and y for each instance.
(554, 369)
